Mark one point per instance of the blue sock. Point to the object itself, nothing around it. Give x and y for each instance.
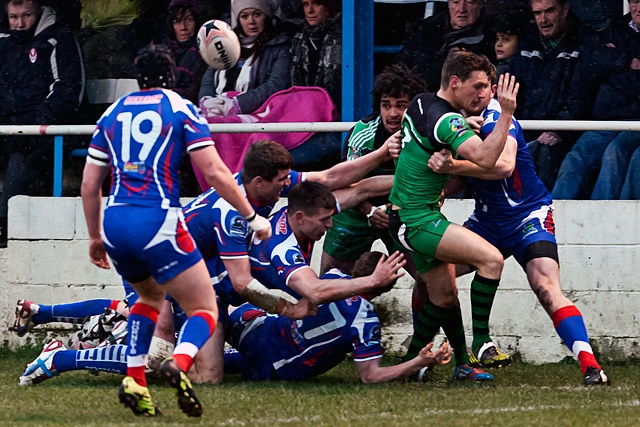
(112, 358)
(75, 312)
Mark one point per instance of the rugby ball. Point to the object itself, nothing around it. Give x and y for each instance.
(218, 44)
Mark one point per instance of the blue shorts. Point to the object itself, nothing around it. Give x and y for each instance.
(145, 242)
(512, 237)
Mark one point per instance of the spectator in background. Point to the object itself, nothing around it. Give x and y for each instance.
(551, 86)
(42, 83)
(263, 68)
(507, 29)
(430, 40)
(606, 155)
(113, 32)
(316, 60)
(184, 19)
(316, 50)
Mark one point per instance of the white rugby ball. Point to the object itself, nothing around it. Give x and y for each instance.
(218, 44)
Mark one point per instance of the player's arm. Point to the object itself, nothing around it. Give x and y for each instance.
(353, 195)
(218, 176)
(370, 371)
(256, 293)
(319, 291)
(346, 173)
(91, 192)
(443, 162)
(485, 153)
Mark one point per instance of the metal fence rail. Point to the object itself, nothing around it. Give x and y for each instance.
(59, 131)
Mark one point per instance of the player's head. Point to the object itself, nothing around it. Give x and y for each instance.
(365, 266)
(393, 89)
(311, 206)
(22, 14)
(154, 67)
(266, 166)
(551, 17)
(466, 77)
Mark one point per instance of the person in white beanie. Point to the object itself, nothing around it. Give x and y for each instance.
(263, 68)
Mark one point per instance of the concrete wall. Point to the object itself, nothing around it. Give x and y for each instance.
(599, 243)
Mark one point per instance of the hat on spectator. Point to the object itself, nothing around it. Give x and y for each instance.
(265, 6)
(509, 24)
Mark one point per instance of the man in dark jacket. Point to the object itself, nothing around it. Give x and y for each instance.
(607, 154)
(41, 83)
(552, 82)
(430, 39)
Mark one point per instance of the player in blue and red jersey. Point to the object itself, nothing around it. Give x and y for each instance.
(283, 260)
(140, 139)
(276, 347)
(514, 212)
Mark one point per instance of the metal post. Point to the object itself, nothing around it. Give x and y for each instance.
(57, 166)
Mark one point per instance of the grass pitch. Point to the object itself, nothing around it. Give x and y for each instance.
(522, 395)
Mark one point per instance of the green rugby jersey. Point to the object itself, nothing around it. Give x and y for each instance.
(430, 124)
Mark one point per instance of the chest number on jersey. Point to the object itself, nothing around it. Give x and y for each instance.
(337, 323)
(131, 129)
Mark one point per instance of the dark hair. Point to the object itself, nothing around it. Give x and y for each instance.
(309, 197)
(154, 67)
(178, 9)
(397, 80)
(36, 3)
(462, 63)
(265, 159)
(366, 265)
(333, 6)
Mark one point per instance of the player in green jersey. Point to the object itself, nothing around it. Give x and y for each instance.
(434, 122)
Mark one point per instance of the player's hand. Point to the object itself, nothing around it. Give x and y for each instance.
(475, 123)
(302, 309)
(507, 92)
(379, 218)
(98, 254)
(441, 162)
(441, 357)
(261, 226)
(395, 145)
(549, 138)
(388, 269)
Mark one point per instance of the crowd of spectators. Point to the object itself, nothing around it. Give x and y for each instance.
(571, 64)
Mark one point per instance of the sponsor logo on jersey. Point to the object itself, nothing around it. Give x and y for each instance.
(456, 124)
(295, 333)
(298, 259)
(143, 99)
(281, 225)
(33, 55)
(237, 227)
(135, 167)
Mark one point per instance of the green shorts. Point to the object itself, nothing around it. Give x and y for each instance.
(351, 236)
(420, 236)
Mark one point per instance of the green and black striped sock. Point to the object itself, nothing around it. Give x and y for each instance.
(454, 330)
(483, 292)
(426, 326)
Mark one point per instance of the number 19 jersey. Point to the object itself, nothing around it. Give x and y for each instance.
(142, 137)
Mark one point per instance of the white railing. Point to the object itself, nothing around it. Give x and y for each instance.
(60, 130)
